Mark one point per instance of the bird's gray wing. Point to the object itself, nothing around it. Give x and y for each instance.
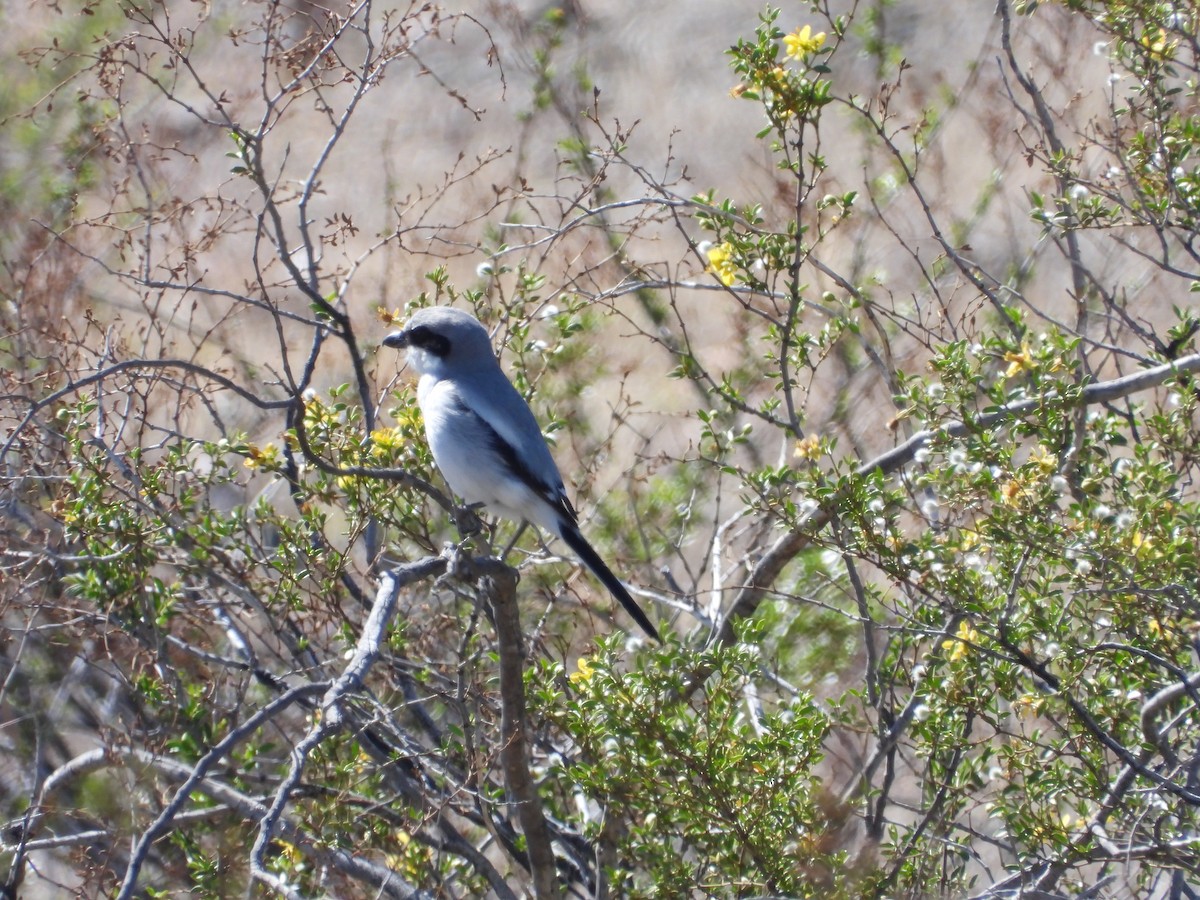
(518, 437)
(514, 436)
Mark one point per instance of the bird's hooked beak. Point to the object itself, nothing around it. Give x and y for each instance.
(397, 339)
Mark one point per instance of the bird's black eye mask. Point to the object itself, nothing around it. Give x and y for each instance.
(425, 338)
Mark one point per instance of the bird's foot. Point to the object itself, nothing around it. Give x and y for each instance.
(464, 564)
(458, 560)
(467, 520)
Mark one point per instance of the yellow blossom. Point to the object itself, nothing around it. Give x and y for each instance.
(386, 441)
(1145, 545)
(721, 264)
(1027, 705)
(958, 645)
(970, 541)
(1158, 45)
(289, 851)
(409, 857)
(584, 673)
(809, 448)
(1073, 822)
(1012, 492)
(262, 457)
(802, 42)
(1043, 459)
(1018, 361)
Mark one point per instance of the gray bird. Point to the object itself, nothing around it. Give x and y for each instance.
(484, 437)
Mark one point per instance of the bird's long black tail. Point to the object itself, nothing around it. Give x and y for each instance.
(590, 558)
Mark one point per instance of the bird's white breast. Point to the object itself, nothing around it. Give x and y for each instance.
(463, 446)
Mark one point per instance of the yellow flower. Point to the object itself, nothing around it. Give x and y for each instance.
(585, 671)
(1027, 706)
(1074, 823)
(970, 540)
(958, 645)
(290, 852)
(386, 441)
(802, 42)
(1018, 361)
(1145, 545)
(1158, 45)
(809, 448)
(1012, 492)
(1043, 459)
(262, 457)
(721, 264)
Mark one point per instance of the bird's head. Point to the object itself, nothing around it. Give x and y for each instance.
(442, 341)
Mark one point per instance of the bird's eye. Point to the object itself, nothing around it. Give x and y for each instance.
(429, 340)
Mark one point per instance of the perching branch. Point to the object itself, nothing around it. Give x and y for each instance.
(499, 584)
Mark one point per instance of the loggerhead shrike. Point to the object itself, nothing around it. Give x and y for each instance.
(484, 437)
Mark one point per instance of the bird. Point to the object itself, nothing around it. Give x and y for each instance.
(485, 439)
